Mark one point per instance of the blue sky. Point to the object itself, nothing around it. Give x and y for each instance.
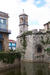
(39, 3)
(38, 12)
(23, 0)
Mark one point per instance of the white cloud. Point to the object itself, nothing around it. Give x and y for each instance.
(47, 3)
(14, 9)
(38, 2)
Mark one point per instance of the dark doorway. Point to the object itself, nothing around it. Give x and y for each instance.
(39, 48)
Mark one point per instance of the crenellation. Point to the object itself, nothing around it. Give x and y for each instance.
(42, 30)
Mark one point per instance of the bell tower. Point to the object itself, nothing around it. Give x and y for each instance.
(23, 23)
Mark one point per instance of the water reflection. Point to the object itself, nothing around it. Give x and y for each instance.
(13, 71)
(29, 69)
(35, 69)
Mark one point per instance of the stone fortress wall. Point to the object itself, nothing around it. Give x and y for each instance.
(37, 42)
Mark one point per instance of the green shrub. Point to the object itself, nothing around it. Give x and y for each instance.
(48, 50)
(9, 57)
(24, 44)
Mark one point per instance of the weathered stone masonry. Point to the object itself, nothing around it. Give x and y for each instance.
(37, 41)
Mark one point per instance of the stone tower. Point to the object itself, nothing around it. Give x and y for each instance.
(23, 23)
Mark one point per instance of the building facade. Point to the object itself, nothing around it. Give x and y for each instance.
(12, 45)
(34, 45)
(4, 32)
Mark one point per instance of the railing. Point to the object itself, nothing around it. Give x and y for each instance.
(5, 30)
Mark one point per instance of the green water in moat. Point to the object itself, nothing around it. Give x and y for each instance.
(29, 69)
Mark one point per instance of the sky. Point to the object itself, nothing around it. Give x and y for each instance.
(38, 12)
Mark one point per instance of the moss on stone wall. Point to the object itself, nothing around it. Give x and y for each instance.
(24, 43)
(47, 41)
(48, 49)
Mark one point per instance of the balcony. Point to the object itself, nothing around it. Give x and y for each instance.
(5, 31)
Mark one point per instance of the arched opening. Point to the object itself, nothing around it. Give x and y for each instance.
(39, 48)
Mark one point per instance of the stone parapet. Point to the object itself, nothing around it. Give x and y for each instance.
(42, 30)
(34, 31)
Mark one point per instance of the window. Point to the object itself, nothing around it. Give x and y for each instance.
(10, 44)
(3, 23)
(14, 44)
(21, 20)
(0, 45)
(1, 36)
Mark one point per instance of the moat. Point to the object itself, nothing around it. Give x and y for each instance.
(29, 69)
